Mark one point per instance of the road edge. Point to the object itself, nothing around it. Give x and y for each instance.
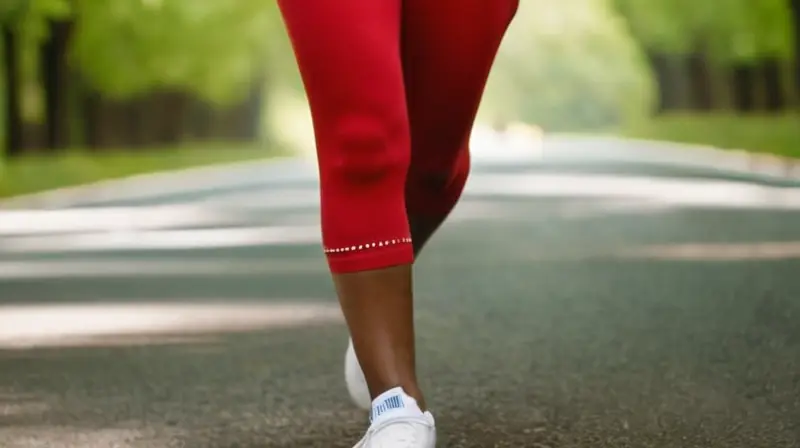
(740, 161)
(733, 160)
(66, 196)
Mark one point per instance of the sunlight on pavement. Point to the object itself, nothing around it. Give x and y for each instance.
(114, 324)
(25, 222)
(158, 267)
(519, 142)
(677, 192)
(784, 250)
(163, 239)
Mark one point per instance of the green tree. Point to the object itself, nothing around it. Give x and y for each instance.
(24, 25)
(137, 72)
(686, 41)
(569, 65)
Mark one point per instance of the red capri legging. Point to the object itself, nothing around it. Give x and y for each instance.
(394, 87)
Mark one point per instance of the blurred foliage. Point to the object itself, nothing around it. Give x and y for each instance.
(731, 30)
(29, 17)
(211, 47)
(568, 65)
(571, 66)
(580, 64)
(774, 134)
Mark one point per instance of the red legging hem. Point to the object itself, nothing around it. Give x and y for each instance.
(380, 258)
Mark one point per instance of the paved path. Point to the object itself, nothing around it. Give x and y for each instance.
(564, 306)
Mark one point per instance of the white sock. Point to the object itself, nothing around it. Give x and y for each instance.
(394, 403)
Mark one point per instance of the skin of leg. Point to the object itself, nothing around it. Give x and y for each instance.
(348, 52)
(448, 49)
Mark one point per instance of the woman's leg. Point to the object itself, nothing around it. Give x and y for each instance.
(449, 47)
(348, 52)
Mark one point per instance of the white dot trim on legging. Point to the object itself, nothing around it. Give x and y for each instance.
(355, 248)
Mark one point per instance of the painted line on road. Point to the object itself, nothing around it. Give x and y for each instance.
(27, 222)
(731, 160)
(285, 199)
(157, 267)
(163, 240)
(765, 250)
(677, 192)
(98, 324)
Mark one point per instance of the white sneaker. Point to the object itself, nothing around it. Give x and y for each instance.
(401, 432)
(396, 421)
(354, 378)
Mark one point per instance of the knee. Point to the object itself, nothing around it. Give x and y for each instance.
(366, 149)
(441, 177)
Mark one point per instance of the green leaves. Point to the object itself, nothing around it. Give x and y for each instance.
(569, 65)
(214, 48)
(730, 30)
(211, 47)
(29, 17)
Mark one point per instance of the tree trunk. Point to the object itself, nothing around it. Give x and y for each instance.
(241, 122)
(795, 14)
(167, 110)
(246, 117)
(56, 86)
(87, 104)
(720, 77)
(199, 120)
(106, 124)
(674, 92)
(661, 71)
(13, 114)
(744, 88)
(702, 94)
(775, 95)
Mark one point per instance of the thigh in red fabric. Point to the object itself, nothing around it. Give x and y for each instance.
(449, 47)
(349, 56)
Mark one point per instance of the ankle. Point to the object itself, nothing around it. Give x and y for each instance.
(412, 390)
(395, 403)
(415, 393)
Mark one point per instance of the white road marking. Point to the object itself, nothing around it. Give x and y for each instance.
(677, 192)
(267, 199)
(138, 268)
(26, 222)
(98, 323)
(484, 210)
(664, 190)
(765, 250)
(141, 240)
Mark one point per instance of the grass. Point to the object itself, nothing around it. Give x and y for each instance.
(779, 135)
(31, 174)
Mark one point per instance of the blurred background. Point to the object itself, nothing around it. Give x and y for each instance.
(629, 237)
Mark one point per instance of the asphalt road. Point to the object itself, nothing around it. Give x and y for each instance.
(564, 306)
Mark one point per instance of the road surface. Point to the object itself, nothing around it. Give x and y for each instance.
(565, 305)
